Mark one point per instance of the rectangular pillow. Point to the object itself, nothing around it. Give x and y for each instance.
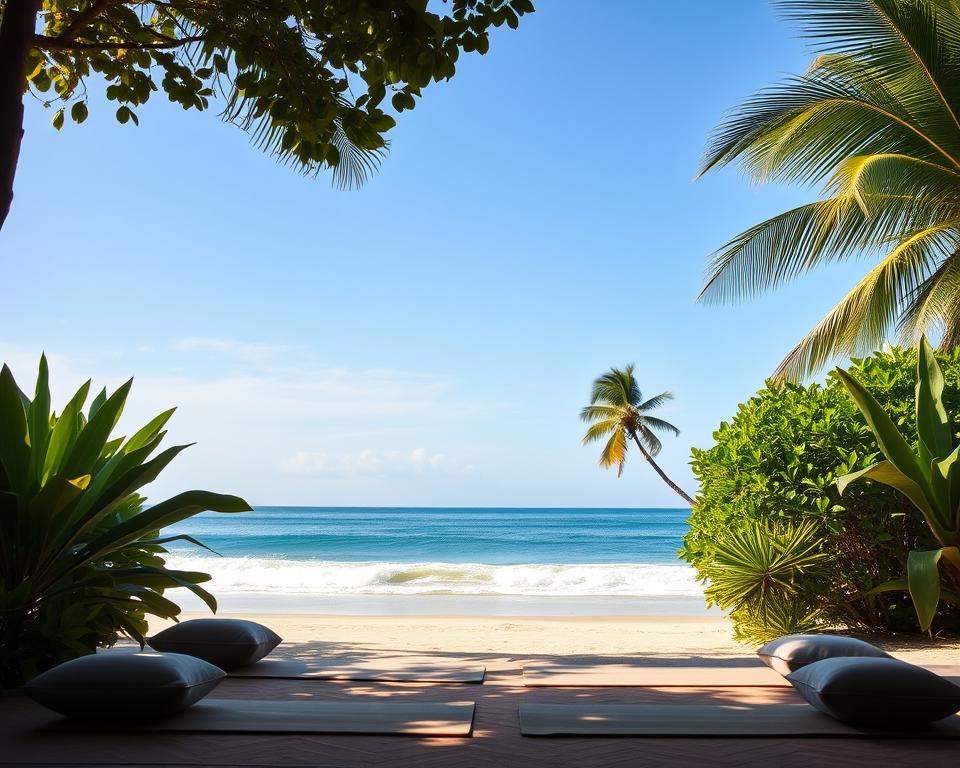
(876, 691)
(791, 652)
(124, 685)
(228, 643)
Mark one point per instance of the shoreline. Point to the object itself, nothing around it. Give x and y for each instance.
(661, 639)
(475, 605)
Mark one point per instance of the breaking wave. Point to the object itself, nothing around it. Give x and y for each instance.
(233, 575)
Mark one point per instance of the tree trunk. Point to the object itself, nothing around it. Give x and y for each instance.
(16, 39)
(656, 467)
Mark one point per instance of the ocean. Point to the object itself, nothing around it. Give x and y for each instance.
(444, 561)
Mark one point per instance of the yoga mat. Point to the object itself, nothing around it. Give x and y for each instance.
(762, 720)
(304, 716)
(624, 675)
(402, 672)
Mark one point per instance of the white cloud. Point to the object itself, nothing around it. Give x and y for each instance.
(244, 351)
(372, 462)
(293, 431)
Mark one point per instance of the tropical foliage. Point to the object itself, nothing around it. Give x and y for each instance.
(756, 575)
(81, 557)
(875, 120)
(776, 464)
(618, 412)
(306, 78)
(928, 476)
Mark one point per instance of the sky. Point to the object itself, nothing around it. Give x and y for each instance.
(430, 338)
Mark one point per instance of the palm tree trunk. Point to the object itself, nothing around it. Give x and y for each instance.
(656, 467)
(16, 37)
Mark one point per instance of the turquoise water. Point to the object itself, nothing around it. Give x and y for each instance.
(454, 535)
(308, 554)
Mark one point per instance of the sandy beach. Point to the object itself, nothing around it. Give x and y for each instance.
(666, 639)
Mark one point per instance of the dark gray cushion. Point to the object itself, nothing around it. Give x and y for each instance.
(876, 691)
(791, 652)
(228, 643)
(124, 685)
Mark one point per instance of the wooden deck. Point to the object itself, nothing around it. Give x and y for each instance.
(496, 741)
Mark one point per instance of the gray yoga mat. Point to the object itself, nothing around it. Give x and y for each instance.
(545, 674)
(400, 672)
(672, 720)
(304, 716)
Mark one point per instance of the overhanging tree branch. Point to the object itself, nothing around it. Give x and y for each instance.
(83, 18)
(59, 44)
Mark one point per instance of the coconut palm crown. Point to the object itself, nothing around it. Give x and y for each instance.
(876, 121)
(618, 412)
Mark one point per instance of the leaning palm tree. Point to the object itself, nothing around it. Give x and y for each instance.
(618, 410)
(876, 120)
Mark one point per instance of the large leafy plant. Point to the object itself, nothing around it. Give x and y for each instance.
(80, 555)
(776, 462)
(929, 476)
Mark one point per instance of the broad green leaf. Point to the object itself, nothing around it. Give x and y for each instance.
(14, 450)
(64, 433)
(894, 447)
(923, 579)
(85, 518)
(160, 516)
(39, 421)
(114, 469)
(96, 403)
(933, 423)
(160, 540)
(884, 472)
(93, 437)
(149, 431)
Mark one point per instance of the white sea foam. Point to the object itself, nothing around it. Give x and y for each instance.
(236, 575)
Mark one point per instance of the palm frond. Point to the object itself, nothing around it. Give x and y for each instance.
(596, 412)
(615, 452)
(860, 321)
(659, 425)
(649, 440)
(876, 118)
(600, 429)
(616, 387)
(655, 402)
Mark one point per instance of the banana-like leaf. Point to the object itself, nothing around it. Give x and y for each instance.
(923, 580)
(893, 445)
(933, 423)
(14, 448)
(886, 473)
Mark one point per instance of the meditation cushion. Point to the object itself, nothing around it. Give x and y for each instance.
(124, 685)
(228, 643)
(876, 691)
(791, 652)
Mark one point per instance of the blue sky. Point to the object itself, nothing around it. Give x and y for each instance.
(429, 339)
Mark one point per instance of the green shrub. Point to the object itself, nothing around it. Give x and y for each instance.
(777, 462)
(80, 556)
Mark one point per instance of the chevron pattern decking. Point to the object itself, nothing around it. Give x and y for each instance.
(496, 742)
